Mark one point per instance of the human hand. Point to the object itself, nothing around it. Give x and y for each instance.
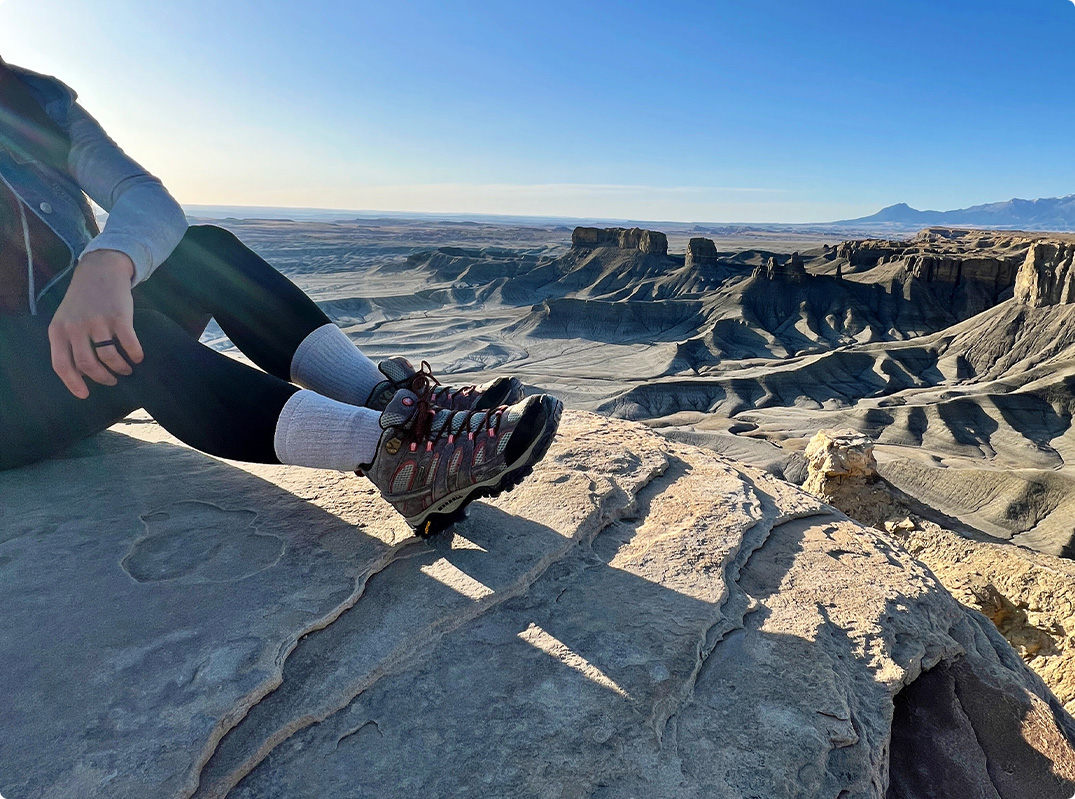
(98, 307)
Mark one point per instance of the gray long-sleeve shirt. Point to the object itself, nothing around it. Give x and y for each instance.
(144, 222)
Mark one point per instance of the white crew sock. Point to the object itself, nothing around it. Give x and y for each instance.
(317, 431)
(329, 363)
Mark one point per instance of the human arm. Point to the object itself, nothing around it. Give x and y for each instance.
(144, 221)
(144, 226)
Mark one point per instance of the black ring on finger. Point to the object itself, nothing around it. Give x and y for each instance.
(110, 343)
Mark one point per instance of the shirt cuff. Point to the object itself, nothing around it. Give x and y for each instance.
(134, 249)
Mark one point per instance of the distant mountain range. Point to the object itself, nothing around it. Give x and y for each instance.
(1055, 214)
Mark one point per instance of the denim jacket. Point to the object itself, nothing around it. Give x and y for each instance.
(144, 222)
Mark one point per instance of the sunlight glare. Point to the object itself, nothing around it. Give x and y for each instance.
(540, 639)
(447, 574)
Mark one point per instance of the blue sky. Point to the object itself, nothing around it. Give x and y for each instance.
(697, 111)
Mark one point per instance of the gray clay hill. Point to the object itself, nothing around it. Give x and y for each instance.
(953, 348)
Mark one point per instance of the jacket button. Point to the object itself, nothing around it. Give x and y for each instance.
(45, 208)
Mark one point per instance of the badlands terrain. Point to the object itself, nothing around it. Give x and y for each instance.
(659, 610)
(954, 349)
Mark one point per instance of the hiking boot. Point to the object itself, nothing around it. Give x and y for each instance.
(431, 462)
(400, 374)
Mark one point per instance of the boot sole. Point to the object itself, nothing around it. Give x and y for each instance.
(453, 508)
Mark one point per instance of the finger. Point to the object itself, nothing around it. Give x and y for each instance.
(63, 364)
(110, 355)
(128, 340)
(113, 361)
(87, 363)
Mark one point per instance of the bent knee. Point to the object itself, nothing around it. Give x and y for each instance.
(204, 249)
(210, 237)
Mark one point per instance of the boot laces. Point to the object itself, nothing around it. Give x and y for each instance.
(426, 414)
(424, 383)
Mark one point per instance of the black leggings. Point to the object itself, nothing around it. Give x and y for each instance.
(207, 400)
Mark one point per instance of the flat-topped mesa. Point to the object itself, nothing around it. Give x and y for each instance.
(791, 271)
(978, 266)
(999, 273)
(870, 252)
(651, 242)
(1046, 276)
(701, 252)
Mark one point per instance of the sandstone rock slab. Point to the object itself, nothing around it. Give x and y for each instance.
(151, 595)
(640, 618)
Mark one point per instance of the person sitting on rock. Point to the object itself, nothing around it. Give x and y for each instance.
(125, 307)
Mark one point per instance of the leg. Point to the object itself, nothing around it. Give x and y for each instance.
(38, 415)
(225, 408)
(212, 273)
(205, 399)
(428, 462)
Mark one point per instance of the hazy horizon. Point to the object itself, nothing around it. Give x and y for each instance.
(307, 214)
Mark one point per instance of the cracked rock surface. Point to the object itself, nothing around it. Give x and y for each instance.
(639, 618)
